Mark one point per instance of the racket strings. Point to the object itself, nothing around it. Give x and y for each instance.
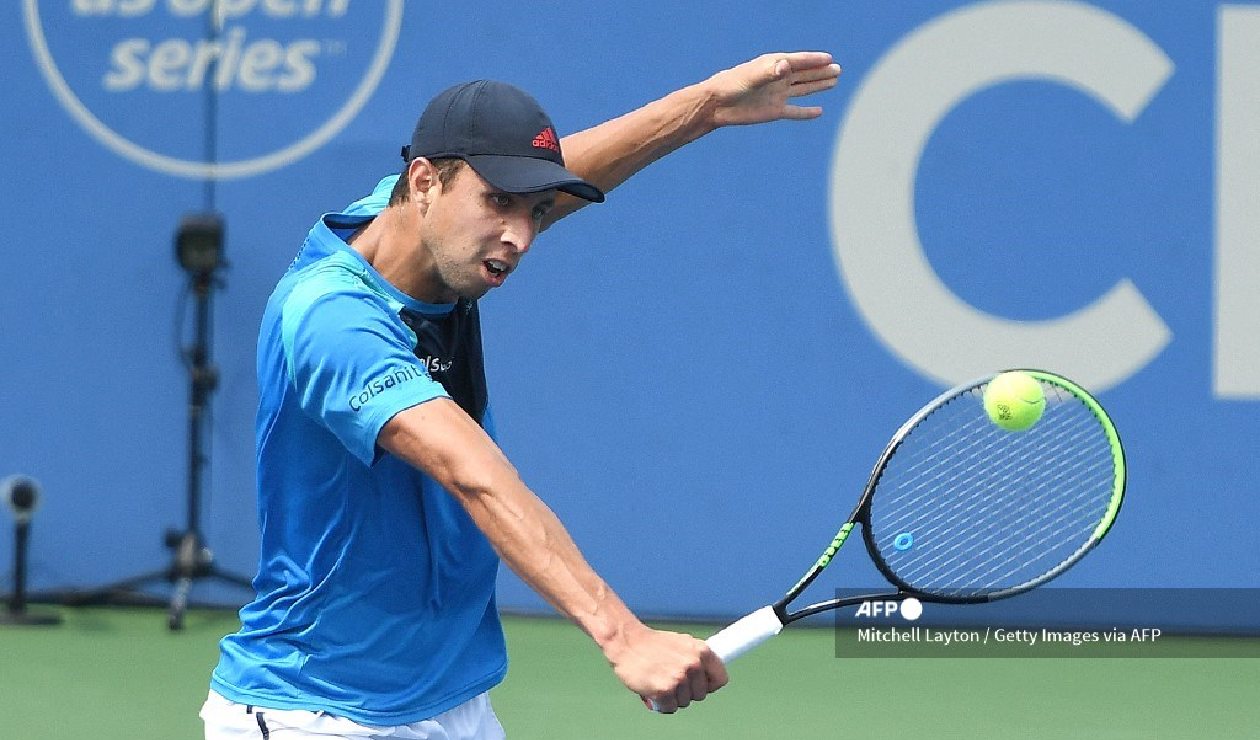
(1052, 518)
(954, 553)
(985, 515)
(983, 558)
(971, 441)
(963, 559)
(988, 510)
(988, 562)
(1039, 546)
(915, 499)
(919, 495)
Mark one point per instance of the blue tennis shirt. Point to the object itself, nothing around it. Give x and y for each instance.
(375, 593)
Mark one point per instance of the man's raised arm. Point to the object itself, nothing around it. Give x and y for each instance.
(757, 91)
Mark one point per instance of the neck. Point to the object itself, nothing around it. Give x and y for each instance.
(389, 244)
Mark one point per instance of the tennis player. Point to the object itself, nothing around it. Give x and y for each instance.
(385, 505)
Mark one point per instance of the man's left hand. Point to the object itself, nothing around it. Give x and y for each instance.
(762, 89)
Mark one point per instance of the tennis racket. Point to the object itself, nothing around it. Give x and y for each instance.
(959, 510)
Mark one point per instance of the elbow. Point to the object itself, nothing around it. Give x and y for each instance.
(472, 483)
(468, 483)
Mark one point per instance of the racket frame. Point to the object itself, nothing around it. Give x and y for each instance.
(861, 515)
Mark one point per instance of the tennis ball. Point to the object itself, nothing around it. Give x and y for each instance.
(1014, 401)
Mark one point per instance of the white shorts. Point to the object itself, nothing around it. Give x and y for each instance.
(227, 720)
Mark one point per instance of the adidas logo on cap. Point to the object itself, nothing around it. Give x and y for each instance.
(546, 139)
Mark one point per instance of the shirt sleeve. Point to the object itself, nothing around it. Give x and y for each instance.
(352, 364)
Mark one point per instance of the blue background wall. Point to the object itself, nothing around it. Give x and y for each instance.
(698, 374)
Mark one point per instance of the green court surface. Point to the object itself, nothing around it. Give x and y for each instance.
(118, 673)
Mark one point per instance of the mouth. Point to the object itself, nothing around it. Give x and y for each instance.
(496, 271)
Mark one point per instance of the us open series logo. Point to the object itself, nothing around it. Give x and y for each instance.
(287, 75)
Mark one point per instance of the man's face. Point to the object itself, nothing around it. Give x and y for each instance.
(476, 234)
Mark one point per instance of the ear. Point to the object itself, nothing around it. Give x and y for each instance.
(423, 182)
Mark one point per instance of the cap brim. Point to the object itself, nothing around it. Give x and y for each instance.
(529, 175)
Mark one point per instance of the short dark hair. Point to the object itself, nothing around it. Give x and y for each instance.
(447, 168)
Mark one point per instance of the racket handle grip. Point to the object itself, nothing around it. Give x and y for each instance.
(745, 634)
(740, 636)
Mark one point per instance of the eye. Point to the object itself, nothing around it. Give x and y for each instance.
(501, 200)
(540, 211)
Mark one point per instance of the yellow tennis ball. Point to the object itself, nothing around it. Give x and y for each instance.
(1014, 401)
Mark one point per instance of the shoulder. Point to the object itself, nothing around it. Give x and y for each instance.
(377, 201)
(334, 298)
(338, 278)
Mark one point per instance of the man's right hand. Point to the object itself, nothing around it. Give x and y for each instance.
(668, 670)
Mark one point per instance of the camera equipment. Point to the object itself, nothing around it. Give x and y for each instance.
(199, 251)
(21, 495)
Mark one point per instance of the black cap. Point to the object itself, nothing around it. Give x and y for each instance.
(502, 133)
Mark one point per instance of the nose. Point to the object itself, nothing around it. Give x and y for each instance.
(519, 233)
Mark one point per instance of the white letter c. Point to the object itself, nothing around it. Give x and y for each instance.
(889, 121)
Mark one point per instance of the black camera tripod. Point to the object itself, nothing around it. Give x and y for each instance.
(198, 248)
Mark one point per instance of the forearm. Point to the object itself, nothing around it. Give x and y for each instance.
(608, 154)
(757, 91)
(666, 668)
(526, 534)
(531, 540)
